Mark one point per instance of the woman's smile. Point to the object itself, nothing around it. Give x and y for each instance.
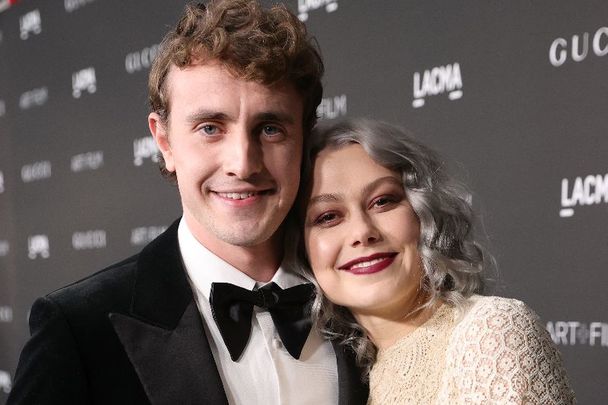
(370, 264)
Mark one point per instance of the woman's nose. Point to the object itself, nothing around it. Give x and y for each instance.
(364, 231)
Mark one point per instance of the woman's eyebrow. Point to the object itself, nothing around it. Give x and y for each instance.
(374, 184)
(337, 197)
(321, 198)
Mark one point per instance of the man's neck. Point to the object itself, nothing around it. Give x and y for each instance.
(260, 262)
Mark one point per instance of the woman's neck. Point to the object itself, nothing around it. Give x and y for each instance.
(386, 328)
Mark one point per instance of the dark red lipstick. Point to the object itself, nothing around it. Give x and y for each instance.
(378, 262)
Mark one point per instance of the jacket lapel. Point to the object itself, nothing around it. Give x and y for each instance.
(164, 335)
(351, 390)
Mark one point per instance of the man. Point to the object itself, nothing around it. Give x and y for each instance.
(233, 92)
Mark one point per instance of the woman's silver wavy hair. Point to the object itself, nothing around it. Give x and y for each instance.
(452, 260)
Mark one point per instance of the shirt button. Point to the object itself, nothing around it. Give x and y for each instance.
(276, 342)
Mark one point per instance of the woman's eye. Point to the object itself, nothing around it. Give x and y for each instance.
(383, 201)
(326, 218)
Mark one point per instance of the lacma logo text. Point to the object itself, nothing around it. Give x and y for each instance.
(305, 6)
(1, 182)
(144, 148)
(570, 333)
(38, 245)
(84, 80)
(332, 107)
(435, 81)
(2, 108)
(30, 23)
(590, 190)
(578, 47)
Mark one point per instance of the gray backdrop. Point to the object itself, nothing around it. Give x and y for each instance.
(512, 93)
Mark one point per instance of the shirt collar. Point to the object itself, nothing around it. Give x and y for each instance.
(204, 267)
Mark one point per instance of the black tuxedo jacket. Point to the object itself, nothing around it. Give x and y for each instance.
(131, 334)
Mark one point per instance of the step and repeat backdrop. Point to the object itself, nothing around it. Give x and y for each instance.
(512, 93)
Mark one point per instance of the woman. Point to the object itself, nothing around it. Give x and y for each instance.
(387, 236)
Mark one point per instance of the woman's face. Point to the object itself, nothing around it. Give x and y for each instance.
(361, 234)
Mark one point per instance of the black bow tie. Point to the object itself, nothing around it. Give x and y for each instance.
(232, 307)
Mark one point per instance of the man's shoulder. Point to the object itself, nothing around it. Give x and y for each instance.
(116, 282)
(111, 285)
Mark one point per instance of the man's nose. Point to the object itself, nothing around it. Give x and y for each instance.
(244, 157)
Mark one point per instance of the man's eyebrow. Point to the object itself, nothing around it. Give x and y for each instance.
(213, 115)
(278, 116)
(206, 115)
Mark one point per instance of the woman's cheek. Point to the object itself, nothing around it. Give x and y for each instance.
(323, 252)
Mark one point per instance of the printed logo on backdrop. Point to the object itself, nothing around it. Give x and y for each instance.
(5, 247)
(36, 171)
(145, 234)
(38, 246)
(5, 381)
(306, 6)
(572, 333)
(87, 240)
(34, 98)
(578, 46)
(2, 108)
(588, 190)
(141, 60)
(86, 161)
(84, 81)
(437, 81)
(332, 107)
(73, 5)
(29, 24)
(6, 314)
(144, 148)
(1, 182)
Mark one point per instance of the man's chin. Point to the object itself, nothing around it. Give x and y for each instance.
(244, 241)
(247, 236)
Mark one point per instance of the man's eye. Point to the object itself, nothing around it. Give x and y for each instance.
(270, 130)
(209, 129)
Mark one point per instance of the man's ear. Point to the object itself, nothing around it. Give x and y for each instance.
(161, 137)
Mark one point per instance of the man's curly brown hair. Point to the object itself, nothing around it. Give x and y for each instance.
(267, 46)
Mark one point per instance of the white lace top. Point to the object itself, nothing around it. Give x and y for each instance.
(495, 352)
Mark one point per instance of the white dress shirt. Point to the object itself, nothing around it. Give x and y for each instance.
(265, 374)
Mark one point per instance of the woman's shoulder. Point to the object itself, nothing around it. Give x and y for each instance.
(504, 338)
(497, 312)
(503, 321)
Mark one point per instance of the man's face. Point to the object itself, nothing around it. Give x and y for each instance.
(235, 147)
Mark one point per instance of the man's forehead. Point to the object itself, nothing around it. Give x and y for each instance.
(211, 81)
